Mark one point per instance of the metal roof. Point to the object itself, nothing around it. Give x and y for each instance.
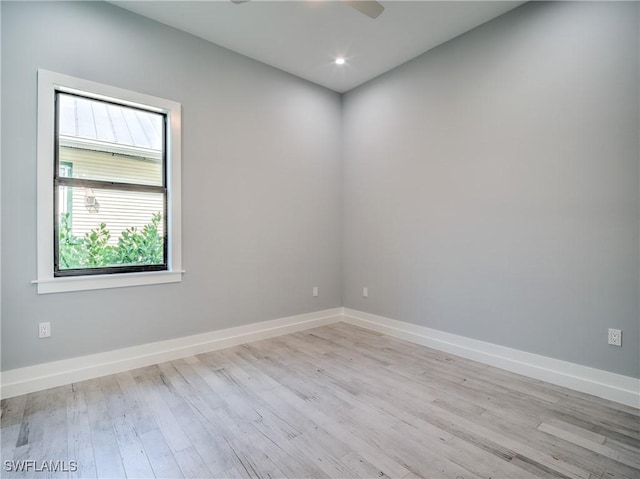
(104, 126)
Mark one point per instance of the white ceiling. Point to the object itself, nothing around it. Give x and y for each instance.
(304, 37)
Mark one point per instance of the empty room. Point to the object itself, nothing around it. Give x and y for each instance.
(320, 239)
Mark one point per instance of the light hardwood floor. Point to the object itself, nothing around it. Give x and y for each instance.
(335, 401)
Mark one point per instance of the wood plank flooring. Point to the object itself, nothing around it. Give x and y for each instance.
(336, 401)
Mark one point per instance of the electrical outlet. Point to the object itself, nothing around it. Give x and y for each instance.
(615, 337)
(44, 330)
(315, 291)
(365, 292)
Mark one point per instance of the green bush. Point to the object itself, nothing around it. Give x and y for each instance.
(93, 251)
(71, 253)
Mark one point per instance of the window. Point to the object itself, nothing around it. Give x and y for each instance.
(108, 186)
(119, 187)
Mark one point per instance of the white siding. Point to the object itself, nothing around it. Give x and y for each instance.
(119, 210)
(100, 165)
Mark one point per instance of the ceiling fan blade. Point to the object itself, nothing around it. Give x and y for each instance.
(370, 8)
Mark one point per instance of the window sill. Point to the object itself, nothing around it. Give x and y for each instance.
(84, 283)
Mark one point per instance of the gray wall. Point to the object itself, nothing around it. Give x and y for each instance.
(491, 185)
(261, 184)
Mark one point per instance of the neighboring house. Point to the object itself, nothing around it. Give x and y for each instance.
(109, 143)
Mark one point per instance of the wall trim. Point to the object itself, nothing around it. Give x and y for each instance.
(29, 379)
(604, 384)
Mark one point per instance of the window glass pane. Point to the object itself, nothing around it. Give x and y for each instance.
(110, 142)
(106, 228)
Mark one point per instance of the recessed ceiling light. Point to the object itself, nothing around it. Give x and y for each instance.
(340, 61)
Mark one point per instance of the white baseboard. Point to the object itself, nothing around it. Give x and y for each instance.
(604, 384)
(19, 381)
(622, 389)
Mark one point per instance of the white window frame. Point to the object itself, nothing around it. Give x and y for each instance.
(50, 82)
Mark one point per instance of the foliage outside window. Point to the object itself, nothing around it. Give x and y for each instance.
(144, 247)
